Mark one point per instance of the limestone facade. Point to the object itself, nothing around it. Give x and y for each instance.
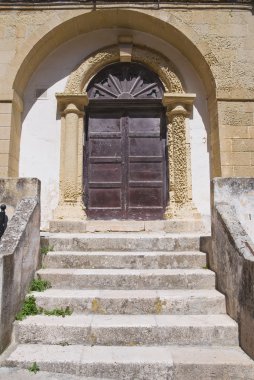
(213, 40)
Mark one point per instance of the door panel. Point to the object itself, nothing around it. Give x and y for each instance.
(105, 198)
(146, 166)
(108, 125)
(145, 171)
(145, 197)
(110, 146)
(145, 146)
(140, 124)
(125, 168)
(103, 167)
(106, 172)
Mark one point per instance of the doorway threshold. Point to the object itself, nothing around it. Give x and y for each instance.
(170, 225)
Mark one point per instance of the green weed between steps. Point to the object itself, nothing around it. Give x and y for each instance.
(30, 308)
(58, 312)
(46, 248)
(34, 368)
(38, 285)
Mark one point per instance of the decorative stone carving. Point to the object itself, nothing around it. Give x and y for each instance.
(161, 66)
(178, 180)
(125, 81)
(180, 198)
(72, 112)
(80, 77)
(89, 67)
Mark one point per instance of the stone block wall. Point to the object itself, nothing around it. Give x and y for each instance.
(5, 136)
(216, 39)
(19, 249)
(237, 138)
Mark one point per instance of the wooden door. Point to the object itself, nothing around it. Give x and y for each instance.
(125, 170)
(125, 164)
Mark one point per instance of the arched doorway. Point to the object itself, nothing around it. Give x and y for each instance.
(74, 103)
(125, 173)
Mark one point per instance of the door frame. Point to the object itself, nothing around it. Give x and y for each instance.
(72, 105)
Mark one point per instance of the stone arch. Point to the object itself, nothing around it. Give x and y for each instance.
(57, 31)
(159, 64)
(72, 23)
(72, 104)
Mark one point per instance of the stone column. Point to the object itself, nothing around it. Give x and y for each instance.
(178, 107)
(72, 108)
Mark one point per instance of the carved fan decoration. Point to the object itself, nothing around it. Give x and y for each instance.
(125, 81)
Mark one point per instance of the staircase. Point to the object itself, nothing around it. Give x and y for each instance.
(144, 307)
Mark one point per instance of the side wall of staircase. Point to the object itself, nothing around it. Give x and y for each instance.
(232, 254)
(19, 248)
(143, 305)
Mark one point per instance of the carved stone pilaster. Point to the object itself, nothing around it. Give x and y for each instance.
(71, 108)
(179, 106)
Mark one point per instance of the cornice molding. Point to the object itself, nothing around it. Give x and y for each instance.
(100, 4)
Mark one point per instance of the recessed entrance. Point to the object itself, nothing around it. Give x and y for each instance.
(125, 164)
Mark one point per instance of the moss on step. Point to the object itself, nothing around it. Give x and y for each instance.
(158, 306)
(96, 307)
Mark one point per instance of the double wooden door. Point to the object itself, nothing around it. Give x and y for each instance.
(125, 165)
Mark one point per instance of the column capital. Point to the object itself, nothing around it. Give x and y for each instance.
(71, 102)
(178, 103)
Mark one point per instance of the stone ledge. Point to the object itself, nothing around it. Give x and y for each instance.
(19, 248)
(170, 226)
(231, 256)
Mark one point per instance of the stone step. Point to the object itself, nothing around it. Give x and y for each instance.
(117, 241)
(211, 363)
(129, 278)
(133, 301)
(100, 362)
(139, 363)
(171, 225)
(128, 330)
(8, 373)
(120, 260)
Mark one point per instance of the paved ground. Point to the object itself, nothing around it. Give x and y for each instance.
(20, 374)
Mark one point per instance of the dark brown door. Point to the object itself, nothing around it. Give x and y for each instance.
(125, 165)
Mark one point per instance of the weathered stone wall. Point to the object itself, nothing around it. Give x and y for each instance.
(19, 250)
(12, 190)
(232, 254)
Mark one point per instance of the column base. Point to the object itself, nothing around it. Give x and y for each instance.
(70, 211)
(182, 211)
